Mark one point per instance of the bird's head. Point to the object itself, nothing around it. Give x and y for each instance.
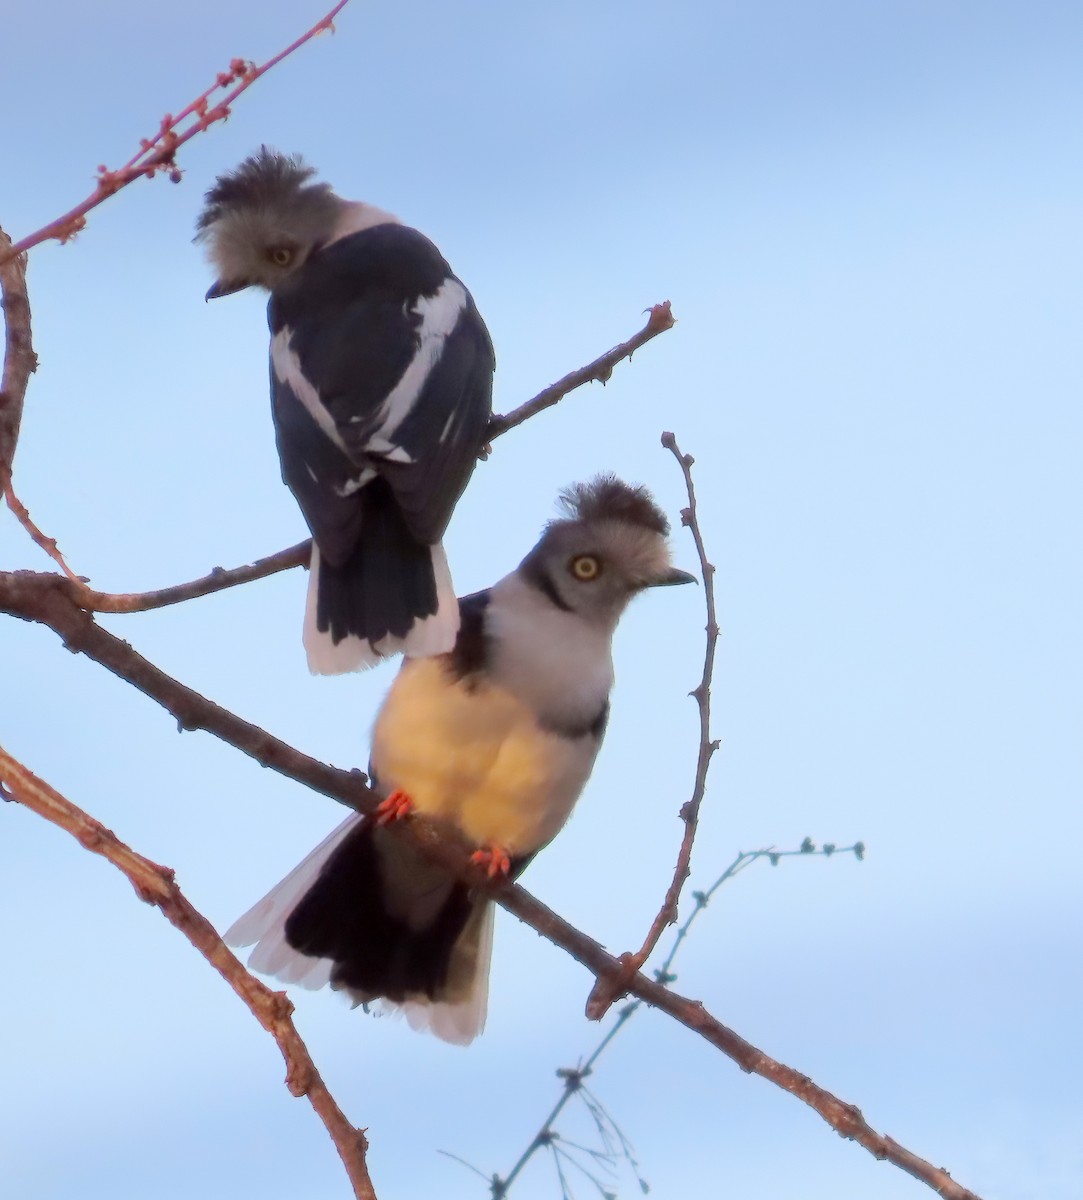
(610, 545)
(261, 221)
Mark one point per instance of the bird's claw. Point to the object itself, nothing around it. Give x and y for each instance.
(394, 808)
(494, 859)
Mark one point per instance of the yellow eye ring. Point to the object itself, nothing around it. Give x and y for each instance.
(585, 567)
(280, 256)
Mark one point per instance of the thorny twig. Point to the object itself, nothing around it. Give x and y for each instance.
(39, 598)
(573, 1077)
(605, 992)
(160, 152)
(661, 318)
(156, 885)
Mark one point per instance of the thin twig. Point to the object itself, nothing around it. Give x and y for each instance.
(605, 992)
(159, 153)
(218, 580)
(20, 362)
(573, 1076)
(156, 885)
(661, 319)
(48, 544)
(39, 598)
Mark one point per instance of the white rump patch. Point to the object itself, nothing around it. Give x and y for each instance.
(431, 635)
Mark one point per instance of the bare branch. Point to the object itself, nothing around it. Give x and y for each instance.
(47, 600)
(20, 361)
(160, 152)
(48, 544)
(661, 319)
(42, 598)
(156, 885)
(218, 580)
(606, 992)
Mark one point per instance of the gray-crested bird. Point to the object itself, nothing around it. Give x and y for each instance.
(497, 737)
(381, 390)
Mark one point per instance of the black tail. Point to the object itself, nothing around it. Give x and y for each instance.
(374, 603)
(388, 919)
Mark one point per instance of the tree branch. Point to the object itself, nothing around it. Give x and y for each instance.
(661, 319)
(42, 598)
(20, 361)
(156, 885)
(160, 152)
(218, 580)
(605, 992)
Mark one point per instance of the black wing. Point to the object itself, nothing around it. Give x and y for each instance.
(401, 364)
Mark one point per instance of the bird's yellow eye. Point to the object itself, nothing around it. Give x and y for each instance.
(585, 567)
(280, 256)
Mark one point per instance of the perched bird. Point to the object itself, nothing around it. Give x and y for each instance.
(381, 390)
(498, 738)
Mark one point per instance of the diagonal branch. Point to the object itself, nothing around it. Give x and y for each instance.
(661, 318)
(160, 152)
(42, 599)
(156, 885)
(218, 580)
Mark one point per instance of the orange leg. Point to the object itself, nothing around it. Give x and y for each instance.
(494, 859)
(394, 808)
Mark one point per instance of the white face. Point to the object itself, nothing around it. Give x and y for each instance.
(253, 247)
(597, 567)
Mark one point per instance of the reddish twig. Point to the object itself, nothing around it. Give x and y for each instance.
(20, 361)
(661, 319)
(605, 992)
(48, 544)
(43, 599)
(156, 885)
(159, 153)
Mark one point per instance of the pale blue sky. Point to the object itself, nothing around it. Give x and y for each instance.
(867, 218)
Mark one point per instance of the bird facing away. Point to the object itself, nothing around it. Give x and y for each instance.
(497, 738)
(381, 390)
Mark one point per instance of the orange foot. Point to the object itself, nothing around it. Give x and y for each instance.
(494, 859)
(394, 808)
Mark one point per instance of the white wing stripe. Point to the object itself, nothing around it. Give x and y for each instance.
(439, 315)
(287, 369)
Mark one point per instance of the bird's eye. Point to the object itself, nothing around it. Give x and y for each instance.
(585, 567)
(280, 256)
